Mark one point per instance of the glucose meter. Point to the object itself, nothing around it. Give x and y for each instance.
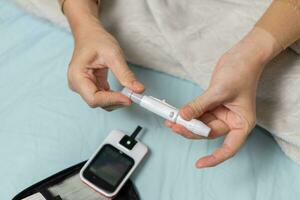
(113, 163)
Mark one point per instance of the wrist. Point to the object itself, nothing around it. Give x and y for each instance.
(256, 49)
(264, 46)
(82, 16)
(87, 30)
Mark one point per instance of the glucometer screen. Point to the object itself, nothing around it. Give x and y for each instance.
(108, 168)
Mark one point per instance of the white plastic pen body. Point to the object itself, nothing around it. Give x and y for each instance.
(163, 109)
(159, 107)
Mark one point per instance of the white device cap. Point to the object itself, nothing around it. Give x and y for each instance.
(194, 126)
(136, 98)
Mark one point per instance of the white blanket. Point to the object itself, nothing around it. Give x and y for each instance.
(186, 38)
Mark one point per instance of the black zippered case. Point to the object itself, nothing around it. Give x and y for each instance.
(128, 192)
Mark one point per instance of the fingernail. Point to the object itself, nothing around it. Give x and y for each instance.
(168, 124)
(126, 103)
(137, 85)
(199, 165)
(178, 129)
(185, 112)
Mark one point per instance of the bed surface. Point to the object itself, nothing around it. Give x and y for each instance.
(44, 127)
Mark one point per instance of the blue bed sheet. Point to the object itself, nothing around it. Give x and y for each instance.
(44, 127)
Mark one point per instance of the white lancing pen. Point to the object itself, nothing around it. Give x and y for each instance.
(163, 109)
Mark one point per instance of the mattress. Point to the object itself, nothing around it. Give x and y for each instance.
(45, 127)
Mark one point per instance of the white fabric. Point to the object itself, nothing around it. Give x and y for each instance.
(186, 38)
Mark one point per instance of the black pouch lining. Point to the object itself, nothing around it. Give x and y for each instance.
(128, 192)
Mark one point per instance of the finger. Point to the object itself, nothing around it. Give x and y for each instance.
(230, 146)
(94, 98)
(93, 77)
(112, 108)
(208, 100)
(78, 63)
(221, 113)
(169, 124)
(207, 117)
(218, 128)
(176, 128)
(125, 76)
(101, 78)
(227, 115)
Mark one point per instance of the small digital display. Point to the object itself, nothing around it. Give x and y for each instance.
(109, 167)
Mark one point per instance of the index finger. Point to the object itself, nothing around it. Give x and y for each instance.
(94, 97)
(232, 143)
(124, 75)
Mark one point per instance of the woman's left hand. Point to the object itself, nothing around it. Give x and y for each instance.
(228, 105)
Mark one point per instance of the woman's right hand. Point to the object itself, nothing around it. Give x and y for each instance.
(96, 51)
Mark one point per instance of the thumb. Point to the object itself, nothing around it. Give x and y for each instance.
(124, 75)
(207, 101)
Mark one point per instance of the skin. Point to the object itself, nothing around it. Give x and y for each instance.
(228, 105)
(94, 55)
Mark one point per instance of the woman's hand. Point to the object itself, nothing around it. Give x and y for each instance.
(96, 51)
(228, 105)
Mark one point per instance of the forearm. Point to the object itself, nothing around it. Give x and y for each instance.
(81, 15)
(282, 21)
(277, 29)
